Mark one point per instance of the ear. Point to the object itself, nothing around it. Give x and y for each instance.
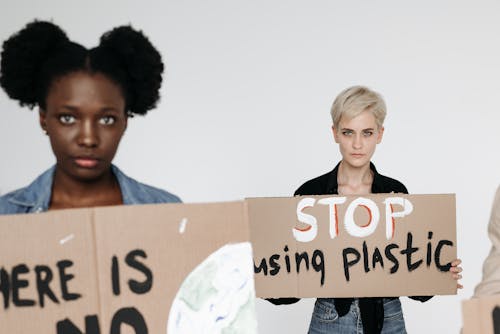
(380, 134)
(42, 119)
(335, 133)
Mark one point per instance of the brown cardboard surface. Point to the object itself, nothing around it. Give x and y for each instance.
(477, 315)
(45, 239)
(91, 238)
(170, 255)
(272, 221)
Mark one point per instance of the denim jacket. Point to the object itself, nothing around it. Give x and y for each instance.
(36, 196)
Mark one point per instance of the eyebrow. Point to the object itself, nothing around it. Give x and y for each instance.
(102, 110)
(348, 129)
(69, 107)
(109, 109)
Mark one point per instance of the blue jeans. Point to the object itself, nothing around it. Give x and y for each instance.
(325, 319)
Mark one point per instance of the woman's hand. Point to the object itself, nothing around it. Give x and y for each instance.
(455, 271)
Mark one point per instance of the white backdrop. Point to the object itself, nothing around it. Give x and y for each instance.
(245, 106)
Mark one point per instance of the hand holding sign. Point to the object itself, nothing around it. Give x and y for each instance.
(455, 269)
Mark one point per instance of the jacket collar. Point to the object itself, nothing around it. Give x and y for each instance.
(377, 184)
(36, 196)
(132, 192)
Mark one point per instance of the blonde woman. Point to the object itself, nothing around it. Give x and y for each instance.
(358, 115)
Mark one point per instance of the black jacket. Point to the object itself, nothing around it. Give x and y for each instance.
(327, 184)
(372, 309)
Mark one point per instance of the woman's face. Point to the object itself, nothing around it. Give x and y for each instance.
(357, 138)
(85, 120)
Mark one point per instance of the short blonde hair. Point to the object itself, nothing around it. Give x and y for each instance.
(354, 100)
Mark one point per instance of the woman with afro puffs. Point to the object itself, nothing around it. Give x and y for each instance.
(85, 97)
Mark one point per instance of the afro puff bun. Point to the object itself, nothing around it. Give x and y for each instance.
(23, 56)
(40, 53)
(142, 62)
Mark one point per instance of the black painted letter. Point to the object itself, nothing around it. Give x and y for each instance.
(115, 276)
(409, 250)
(319, 265)
(130, 316)
(261, 267)
(5, 287)
(18, 283)
(391, 257)
(67, 327)
(350, 263)
(135, 286)
(62, 265)
(274, 265)
(437, 255)
(43, 278)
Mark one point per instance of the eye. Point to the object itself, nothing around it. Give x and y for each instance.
(67, 119)
(347, 132)
(367, 133)
(107, 120)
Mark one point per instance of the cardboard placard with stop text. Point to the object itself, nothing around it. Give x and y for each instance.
(377, 245)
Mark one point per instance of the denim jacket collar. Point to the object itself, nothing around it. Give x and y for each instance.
(132, 193)
(36, 196)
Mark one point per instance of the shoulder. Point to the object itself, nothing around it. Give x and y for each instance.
(496, 201)
(135, 192)
(495, 212)
(8, 206)
(315, 186)
(158, 195)
(33, 198)
(389, 185)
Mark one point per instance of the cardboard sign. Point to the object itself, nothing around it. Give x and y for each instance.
(481, 315)
(378, 245)
(187, 268)
(129, 269)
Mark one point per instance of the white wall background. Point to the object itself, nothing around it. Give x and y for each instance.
(245, 107)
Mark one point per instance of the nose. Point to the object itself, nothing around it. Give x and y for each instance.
(88, 134)
(357, 141)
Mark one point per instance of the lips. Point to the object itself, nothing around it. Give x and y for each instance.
(86, 162)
